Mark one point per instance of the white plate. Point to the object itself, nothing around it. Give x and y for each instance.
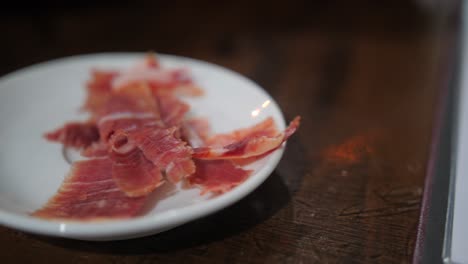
(44, 96)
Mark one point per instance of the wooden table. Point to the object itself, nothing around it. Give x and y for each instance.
(365, 77)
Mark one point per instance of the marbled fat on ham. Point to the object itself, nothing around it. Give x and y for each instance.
(90, 193)
(127, 109)
(97, 149)
(133, 173)
(126, 121)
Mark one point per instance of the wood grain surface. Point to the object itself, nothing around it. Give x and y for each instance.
(364, 76)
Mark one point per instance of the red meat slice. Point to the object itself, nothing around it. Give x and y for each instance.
(126, 121)
(133, 173)
(196, 131)
(75, 134)
(97, 149)
(90, 193)
(137, 137)
(134, 98)
(218, 176)
(247, 147)
(129, 108)
(172, 110)
(165, 150)
(266, 128)
(98, 88)
(147, 72)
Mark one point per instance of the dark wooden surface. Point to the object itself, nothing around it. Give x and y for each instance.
(365, 77)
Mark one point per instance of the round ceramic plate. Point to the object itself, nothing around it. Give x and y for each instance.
(42, 97)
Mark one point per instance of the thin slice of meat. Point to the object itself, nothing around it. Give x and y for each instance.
(181, 84)
(97, 149)
(148, 72)
(217, 176)
(150, 61)
(98, 89)
(250, 160)
(266, 128)
(133, 173)
(248, 146)
(134, 98)
(179, 168)
(188, 90)
(90, 193)
(159, 80)
(127, 121)
(164, 149)
(75, 134)
(129, 108)
(196, 131)
(172, 109)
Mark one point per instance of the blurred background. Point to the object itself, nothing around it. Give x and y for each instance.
(239, 34)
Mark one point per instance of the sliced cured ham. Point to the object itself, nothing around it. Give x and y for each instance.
(157, 79)
(127, 121)
(248, 146)
(196, 131)
(90, 193)
(140, 156)
(138, 137)
(131, 108)
(147, 72)
(75, 134)
(150, 61)
(98, 88)
(97, 149)
(164, 149)
(266, 128)
(171, 109)
(161, 81)
(133, 173)
(218, 176)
